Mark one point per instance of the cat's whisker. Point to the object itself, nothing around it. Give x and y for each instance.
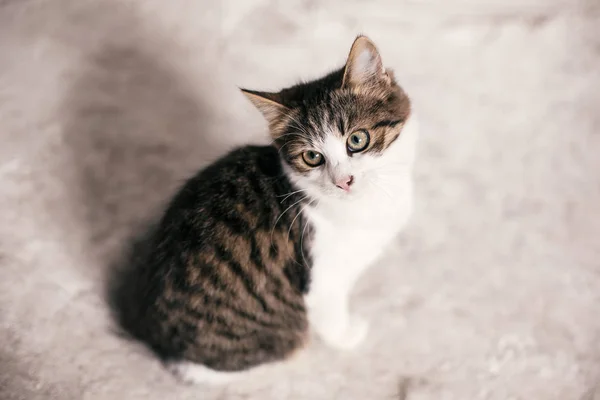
(290, 195)
(298, 125)
(302, 131)
(303, 135)
(302, 240)
(289, 134)
(291, 142)
(292, 225)
(286, 143)
(297, 215)
(294, 134)
(382, 189)
(302, 235)
(287, 195)
(281, 215)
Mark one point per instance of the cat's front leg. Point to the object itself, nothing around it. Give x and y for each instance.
(329, 315)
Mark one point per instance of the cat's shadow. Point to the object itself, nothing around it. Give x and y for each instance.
(135, 130)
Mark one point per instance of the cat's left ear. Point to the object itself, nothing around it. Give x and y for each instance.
(364, 68)
(268, 104)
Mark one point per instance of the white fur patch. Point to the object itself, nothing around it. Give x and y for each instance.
(352, 230)
(193, 373)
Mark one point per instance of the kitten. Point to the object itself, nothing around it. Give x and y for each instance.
(269, 240)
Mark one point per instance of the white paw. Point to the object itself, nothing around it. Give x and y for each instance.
(354, 334)
(191, 374)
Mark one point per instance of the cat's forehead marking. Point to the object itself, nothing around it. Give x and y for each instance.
(323, 121)
(333, 117)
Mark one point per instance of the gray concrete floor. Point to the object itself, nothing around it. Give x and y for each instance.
(493, 292)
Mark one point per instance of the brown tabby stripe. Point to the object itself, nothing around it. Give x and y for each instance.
(246, 279)
(222, 285)
(386, 123)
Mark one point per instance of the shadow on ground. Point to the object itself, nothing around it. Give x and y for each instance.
(135, 132)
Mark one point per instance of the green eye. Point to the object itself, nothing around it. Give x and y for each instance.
(358, 141)
(313, 158)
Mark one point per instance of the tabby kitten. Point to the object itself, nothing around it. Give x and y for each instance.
(269, 240)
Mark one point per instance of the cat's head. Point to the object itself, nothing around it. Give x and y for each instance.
(340, 136)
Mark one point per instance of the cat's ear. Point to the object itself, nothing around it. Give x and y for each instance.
(269, 104)
(364, 67)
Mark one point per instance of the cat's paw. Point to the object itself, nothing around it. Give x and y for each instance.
(192, 374)
(354, 334)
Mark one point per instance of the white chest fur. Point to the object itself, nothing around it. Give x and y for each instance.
(350, 234)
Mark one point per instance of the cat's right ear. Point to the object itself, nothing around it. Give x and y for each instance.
(364, 68)
(268, 104)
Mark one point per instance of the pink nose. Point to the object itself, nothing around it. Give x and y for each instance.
(345, 183)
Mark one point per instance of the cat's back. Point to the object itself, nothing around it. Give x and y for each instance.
(238, 194)
(227, 266)
(253, 171)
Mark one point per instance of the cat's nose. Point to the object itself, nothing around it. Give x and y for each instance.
(345, 183)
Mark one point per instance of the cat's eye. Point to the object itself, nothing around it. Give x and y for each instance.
(313, 158)
(358, 141)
